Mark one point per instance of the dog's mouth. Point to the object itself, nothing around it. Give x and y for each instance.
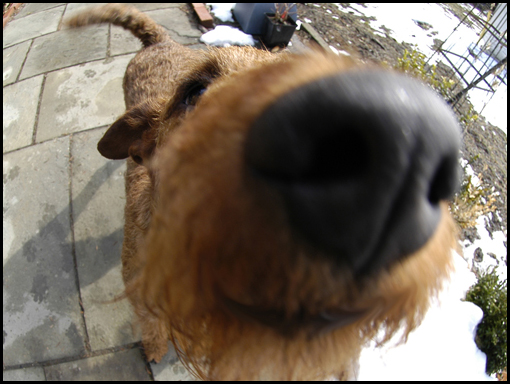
(288, 326)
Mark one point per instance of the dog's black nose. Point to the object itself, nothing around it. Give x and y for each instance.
(362, 160)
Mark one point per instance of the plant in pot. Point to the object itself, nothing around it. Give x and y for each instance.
(279, 26)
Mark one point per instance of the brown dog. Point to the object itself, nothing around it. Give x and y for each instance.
(281, 209)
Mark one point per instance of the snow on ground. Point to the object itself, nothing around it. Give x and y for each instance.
(222, 10)
(225, 36)
(489, 245)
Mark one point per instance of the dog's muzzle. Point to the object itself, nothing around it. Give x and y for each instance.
(362, 160)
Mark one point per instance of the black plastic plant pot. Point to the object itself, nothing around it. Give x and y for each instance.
(277, 33)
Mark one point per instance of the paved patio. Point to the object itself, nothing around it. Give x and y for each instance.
(63, 202)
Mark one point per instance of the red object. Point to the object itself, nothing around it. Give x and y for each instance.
(203, 14)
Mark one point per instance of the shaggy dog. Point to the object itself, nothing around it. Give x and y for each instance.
(281, 209)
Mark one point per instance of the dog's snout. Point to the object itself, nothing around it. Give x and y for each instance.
(362, 161)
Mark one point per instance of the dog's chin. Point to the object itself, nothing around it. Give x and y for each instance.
(301, 322)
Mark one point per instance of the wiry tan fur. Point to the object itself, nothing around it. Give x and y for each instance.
(200, 232)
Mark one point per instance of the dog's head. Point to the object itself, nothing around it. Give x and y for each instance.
(296, 197)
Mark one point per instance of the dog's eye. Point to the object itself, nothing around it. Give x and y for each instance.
(193, 95)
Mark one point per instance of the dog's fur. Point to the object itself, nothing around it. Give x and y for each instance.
(200, 235)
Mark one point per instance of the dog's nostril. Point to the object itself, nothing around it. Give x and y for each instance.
(445, 180)
(312, 143)
(342, 156)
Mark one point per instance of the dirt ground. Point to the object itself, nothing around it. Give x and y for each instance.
(484, 144)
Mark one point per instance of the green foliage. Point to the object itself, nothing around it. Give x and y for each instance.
(471, 202)
(413, 64)
(469, 116)
(490, 294)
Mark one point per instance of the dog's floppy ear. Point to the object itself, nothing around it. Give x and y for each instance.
(133, 134)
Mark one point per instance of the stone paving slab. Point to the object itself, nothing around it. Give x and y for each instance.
(125, 365)
(82, 97)
(25, 374)
(31, 26)
(42, 319)
(65, 48)
(98, 185)
(31, 8)
(13, 58)
(20, 111)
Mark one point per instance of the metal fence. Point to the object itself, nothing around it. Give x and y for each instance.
(483, 64)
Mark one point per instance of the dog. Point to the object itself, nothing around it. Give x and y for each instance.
(281, 210)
